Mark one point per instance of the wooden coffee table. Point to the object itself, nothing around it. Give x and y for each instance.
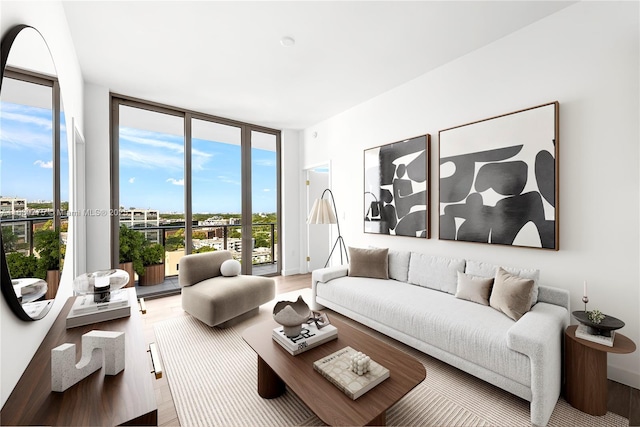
(277, 368)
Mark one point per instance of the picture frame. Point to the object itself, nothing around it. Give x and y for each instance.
(396, 188)
(498, 179)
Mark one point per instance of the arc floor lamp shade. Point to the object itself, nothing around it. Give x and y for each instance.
(325, 212)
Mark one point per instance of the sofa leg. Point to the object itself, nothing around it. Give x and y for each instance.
(234, 321)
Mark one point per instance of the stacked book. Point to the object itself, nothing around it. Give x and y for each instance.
(309, 338)
(86, 311)
(583, 332)
(336, 367)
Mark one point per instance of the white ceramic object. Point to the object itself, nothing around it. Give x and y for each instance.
(64, 370)
(291, 315)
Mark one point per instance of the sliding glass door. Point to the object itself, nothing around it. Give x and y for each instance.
(216, 187)
(193, 183)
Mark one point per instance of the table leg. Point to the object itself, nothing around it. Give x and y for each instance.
(269, 383)
(586, 378)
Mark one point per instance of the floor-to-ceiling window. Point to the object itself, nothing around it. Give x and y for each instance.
(264, 201)
(192, 183)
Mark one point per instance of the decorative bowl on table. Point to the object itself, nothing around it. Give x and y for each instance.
(100, 283)
(604, 327)
(291, 315)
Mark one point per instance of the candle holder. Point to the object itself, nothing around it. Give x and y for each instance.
(585, 300)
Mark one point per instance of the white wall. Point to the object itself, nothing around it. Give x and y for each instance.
(291, 183)
(97, 105)
(586, 57)
(19, 340)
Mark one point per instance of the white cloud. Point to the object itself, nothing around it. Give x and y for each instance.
(154, 151)
(132, 179)
(266, 190)
(264, 162)
(43, 164)
(176, 181)
(228, 180)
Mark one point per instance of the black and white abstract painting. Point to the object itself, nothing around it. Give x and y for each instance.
(396, 188)
(499, 180)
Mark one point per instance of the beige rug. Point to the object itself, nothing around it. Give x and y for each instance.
(212, 377)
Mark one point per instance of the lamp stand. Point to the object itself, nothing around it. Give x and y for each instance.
(339, 241)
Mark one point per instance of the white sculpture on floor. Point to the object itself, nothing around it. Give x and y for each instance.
(98, 348)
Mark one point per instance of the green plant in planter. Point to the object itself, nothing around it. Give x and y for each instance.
(131, 245)
(47, 244)
(152, 254)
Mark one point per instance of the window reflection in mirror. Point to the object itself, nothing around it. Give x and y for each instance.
(31, 189)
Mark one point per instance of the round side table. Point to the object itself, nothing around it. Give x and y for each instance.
(585, 365)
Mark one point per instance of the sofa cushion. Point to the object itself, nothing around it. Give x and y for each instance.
(486, 269)
(474, 288)
(435, 272)
(473, 332)
(511, 294)
(399, 265)
(373, 263)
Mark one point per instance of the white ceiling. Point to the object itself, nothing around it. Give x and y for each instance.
(225, 58)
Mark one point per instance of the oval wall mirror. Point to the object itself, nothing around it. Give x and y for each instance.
(34, 155)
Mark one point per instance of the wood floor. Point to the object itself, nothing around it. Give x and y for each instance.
(623, 400)
(167, 307)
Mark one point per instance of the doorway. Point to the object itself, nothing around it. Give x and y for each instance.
(318, 236)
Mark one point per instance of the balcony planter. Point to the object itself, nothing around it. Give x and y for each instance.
(53, 281)
(47, 246)
(153, 260)
(153, 275)
(131, 244)
(128, 267)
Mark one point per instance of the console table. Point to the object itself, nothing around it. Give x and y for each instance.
(124, 399)
(586, 370)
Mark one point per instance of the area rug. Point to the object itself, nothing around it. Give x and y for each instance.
(213, 380)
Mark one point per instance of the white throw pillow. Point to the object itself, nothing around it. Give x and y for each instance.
(230, 267)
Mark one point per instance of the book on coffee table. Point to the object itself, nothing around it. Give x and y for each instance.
(309, 337)
(336, 367)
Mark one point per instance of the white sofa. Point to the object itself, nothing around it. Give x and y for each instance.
(417, 306)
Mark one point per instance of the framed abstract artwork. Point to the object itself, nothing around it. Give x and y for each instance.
(396, 188)
(498, 179)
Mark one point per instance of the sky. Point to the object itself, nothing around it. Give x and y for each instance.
(152, 174)
(151, 167)
(26, 153)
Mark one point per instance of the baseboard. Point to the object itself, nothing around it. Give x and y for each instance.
(622, 376)
(290, 272)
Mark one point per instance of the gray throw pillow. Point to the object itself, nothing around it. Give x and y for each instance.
(511, 294)
(373, 263)
(474, 288)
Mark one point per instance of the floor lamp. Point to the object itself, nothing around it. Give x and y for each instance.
(321, 213)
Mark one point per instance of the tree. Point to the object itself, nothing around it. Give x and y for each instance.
(47, 244)
(203, 249)
(20, 265)
(131, 244)
(9, 240)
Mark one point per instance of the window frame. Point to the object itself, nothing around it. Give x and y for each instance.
(116, 100)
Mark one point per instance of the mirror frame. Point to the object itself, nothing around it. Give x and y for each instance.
(6, 284)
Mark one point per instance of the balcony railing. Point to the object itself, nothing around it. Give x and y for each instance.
(219, 240)
(24, 243)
